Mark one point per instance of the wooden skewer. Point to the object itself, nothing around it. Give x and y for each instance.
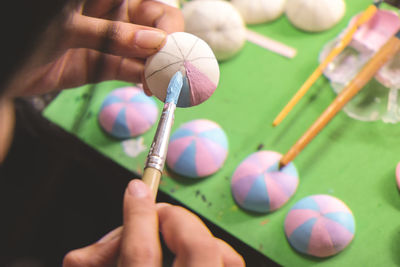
(363, 18)
(363, 77)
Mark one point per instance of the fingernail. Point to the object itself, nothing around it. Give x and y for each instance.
(138, 189)
(111, 235)
(148, 39)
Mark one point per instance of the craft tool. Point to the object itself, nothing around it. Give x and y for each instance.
(362, 78)
(158, 151)
(270, 44)
(344, 41)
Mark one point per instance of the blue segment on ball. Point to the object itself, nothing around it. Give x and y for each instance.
(120, 129)
(185, 162)
(217, 136)
(257, 198)
(301, 236)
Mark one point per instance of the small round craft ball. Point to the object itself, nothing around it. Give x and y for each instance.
(319, 225)
(197, 149)
(259, 185)
(194, 58)
(315, 15)
(259, 11)
(127, 112)
(218, 23)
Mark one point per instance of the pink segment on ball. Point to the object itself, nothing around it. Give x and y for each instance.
(199, 126)
(125, 94)
(340, 236)
(270, 160)
(149, 112)
(218, 152)
(326, 205)
(287, 183)
(205, 159)
(177, 147)
(276, 195)
(295, 218)
(320, 238)
(108, 115)
(135, 121)
(201, 88)
(246, 169)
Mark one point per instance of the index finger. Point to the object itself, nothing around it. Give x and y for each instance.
(156, 14)
(140, 239)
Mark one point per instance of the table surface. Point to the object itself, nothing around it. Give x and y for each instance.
(352, 160)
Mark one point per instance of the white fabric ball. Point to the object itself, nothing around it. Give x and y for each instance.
(194, 58)
(218, 23)
(315, 15)
(259, 11)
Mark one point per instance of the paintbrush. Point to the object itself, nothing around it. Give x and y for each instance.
(343, 42)
(158, 151)
(384, 54)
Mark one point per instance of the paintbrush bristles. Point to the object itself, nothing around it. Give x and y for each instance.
(363, 77)
(174, 88)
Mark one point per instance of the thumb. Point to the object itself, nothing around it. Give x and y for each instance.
(114, 37)
(140, 240)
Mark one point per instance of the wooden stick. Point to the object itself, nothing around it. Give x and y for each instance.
(346, 39)
(362, 78)
(270, 44)
(152, 177)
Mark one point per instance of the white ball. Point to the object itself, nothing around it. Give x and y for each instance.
(218, 23)
(259, 11)
(315, 15)
(190, 55)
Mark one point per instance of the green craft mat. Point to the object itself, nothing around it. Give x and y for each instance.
(352, 160)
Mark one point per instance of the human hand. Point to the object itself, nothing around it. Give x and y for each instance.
(138, 244)
(94, 41)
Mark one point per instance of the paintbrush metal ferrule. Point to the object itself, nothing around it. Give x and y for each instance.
(158, 150)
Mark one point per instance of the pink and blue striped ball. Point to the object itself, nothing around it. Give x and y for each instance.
(259, 185)
(197, 149)
(320, 225)
(127, 112)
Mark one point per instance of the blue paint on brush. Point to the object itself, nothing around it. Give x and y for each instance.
(174, 88)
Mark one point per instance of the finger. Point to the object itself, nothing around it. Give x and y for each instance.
(229, 256)
(114, 37)
(158, 15)
(102, 253)
(140, 240)
(89, 67)
(188, 238)
(103, 67)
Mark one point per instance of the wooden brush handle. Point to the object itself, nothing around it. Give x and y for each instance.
(152, 178)
(362, 78)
